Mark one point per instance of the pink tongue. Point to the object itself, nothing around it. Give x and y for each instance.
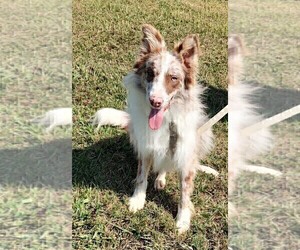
(156, 118)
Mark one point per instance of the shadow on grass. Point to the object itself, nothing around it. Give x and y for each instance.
(272, 101)
(44, 165)
(110, 164)
(215, 99)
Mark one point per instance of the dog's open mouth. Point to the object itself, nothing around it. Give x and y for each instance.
(156, 117)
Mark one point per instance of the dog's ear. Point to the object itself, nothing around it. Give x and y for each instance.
(188, 51)
(236, 51)
(152, 42)
(235, 45)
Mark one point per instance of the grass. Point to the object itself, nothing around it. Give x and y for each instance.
(269, 208)
(106, 38)
(35, 168)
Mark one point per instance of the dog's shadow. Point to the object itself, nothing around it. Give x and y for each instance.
(46, 165)
(272, 101)
(111, 164)
(215, 99)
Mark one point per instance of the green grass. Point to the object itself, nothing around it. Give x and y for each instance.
(269, 207)
(106, 38)
(35, 168)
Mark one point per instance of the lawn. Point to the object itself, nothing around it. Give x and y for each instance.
(269, 207)
(106, 38)
(35, 168)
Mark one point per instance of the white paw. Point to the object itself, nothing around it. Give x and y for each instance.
(182, 226)
(183, 220)
(136, 203)
(160, 183)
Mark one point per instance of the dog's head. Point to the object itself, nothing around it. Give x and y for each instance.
(164, 73)
(235, 58)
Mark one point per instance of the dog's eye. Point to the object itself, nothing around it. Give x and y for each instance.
(149, 74)
(174, 78)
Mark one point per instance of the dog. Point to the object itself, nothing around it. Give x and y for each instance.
(162, 118)
(242, 147)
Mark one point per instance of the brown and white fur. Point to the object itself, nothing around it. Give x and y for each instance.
(241, 114)
(163, 115)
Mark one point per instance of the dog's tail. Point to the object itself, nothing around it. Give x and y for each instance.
(110, 116)
(42, 120)
(207, 170)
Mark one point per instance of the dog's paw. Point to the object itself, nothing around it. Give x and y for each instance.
(160, 183)
(182, 226)
(183, 220)
(136, 203)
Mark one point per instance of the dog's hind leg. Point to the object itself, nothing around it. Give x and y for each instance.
(137, 201)
(160, 181)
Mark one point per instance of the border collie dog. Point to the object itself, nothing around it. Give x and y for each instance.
(242, 147)
(163, 115)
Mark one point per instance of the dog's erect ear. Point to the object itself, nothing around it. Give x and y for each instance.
(152, 40)
(188, 51)
(235, 45)
(236, 51)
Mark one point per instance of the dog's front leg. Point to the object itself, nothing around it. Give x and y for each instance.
(137, 201)
(232, 174)
(160, 181)
(185, 207)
